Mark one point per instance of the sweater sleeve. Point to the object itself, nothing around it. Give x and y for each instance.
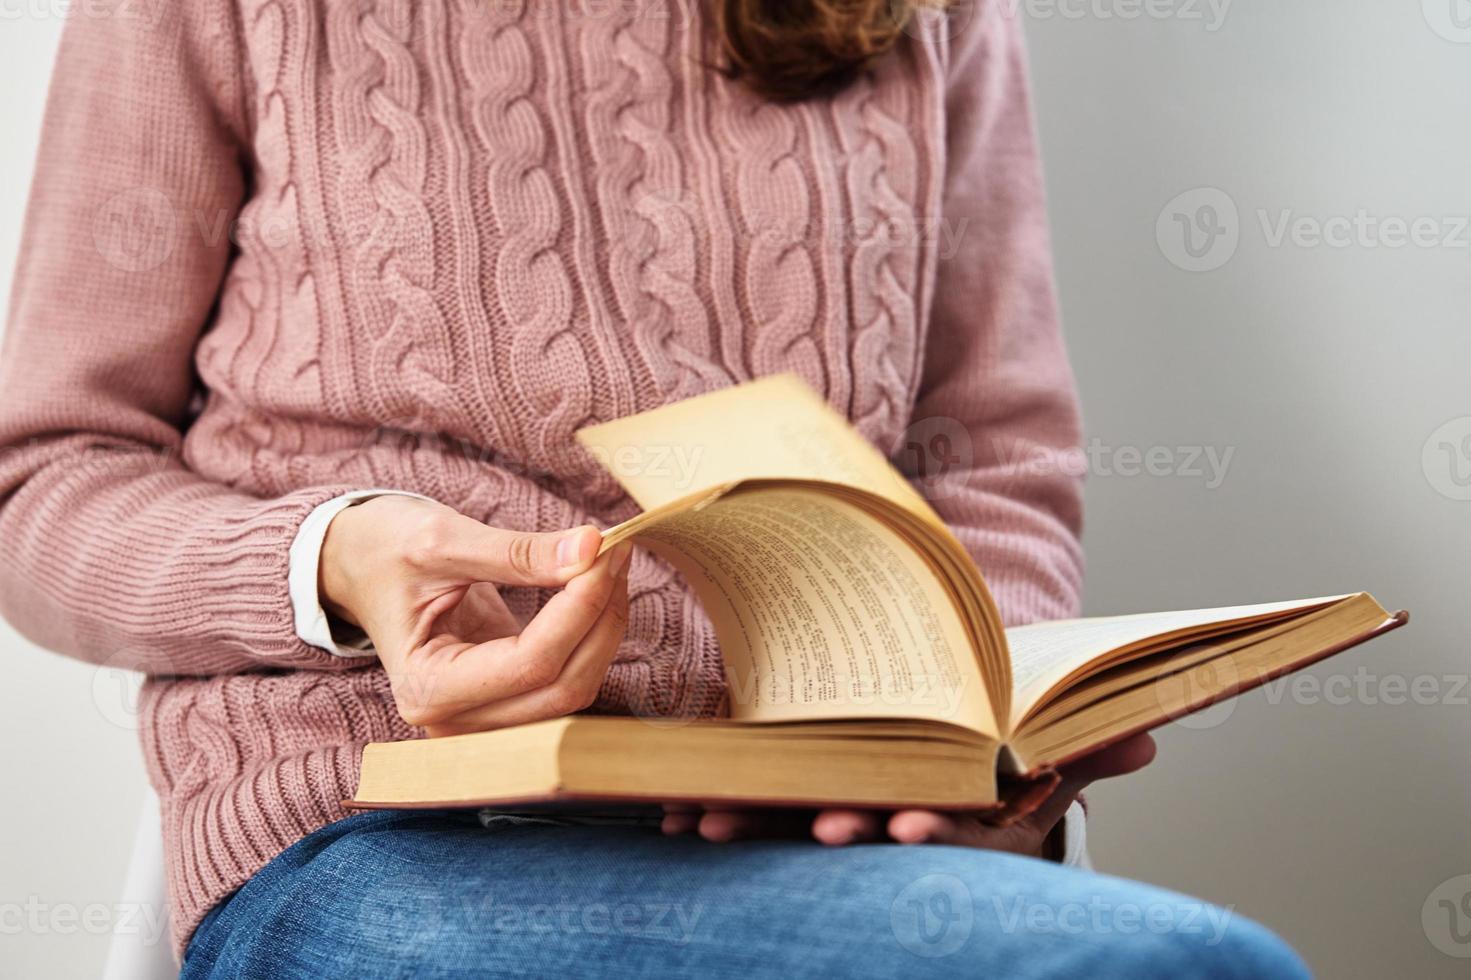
(996, 376)
(111, 549)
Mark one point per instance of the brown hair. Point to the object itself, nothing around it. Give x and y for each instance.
(790, 49)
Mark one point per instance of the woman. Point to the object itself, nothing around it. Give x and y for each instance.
(284, 259)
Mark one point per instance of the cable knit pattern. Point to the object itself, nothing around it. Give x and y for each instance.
(278, 250)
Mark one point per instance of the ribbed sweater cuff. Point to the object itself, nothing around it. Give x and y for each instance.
(234, 582)
(173, 575)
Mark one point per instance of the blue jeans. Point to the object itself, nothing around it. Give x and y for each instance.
(437, 894)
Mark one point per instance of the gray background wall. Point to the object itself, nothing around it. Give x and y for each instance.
(1329, 812)
(1329, 362)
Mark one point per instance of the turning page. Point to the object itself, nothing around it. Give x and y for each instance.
(774, 428)
(823, 611)
(683, 456)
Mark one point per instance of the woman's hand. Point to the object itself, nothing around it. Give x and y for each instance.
(420, 580)
(1028, 836)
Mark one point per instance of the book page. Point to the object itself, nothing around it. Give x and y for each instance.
(822, 610)
(774, 428)
(1155, 691)
(1044, 655)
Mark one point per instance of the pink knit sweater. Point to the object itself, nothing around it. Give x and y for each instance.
(279, 251)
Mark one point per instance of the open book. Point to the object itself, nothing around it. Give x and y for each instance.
(865, 660)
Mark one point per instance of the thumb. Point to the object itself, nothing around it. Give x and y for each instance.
(1046, 816)
(1119, 759)
(493, 554)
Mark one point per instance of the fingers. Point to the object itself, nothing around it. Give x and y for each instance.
(728, 825)
(923, 827)
(441, 679)
(576, 684)
(835, 827)
(472, 551)
(680, 818)
(1123, 757)
(839, 827)
(482, 615)
(1046, 816)
(1052, 810)
(721, 824)
(966, 830)
(543, 647)
(1118, 759)
(394, 565)
(724, 824)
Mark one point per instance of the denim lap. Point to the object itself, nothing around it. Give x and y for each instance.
(431, 895)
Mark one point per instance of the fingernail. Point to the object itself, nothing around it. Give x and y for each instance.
(620, 560)
(569, 549)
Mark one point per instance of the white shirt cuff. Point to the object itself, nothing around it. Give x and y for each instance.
(1075, 837)
(312, 624)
